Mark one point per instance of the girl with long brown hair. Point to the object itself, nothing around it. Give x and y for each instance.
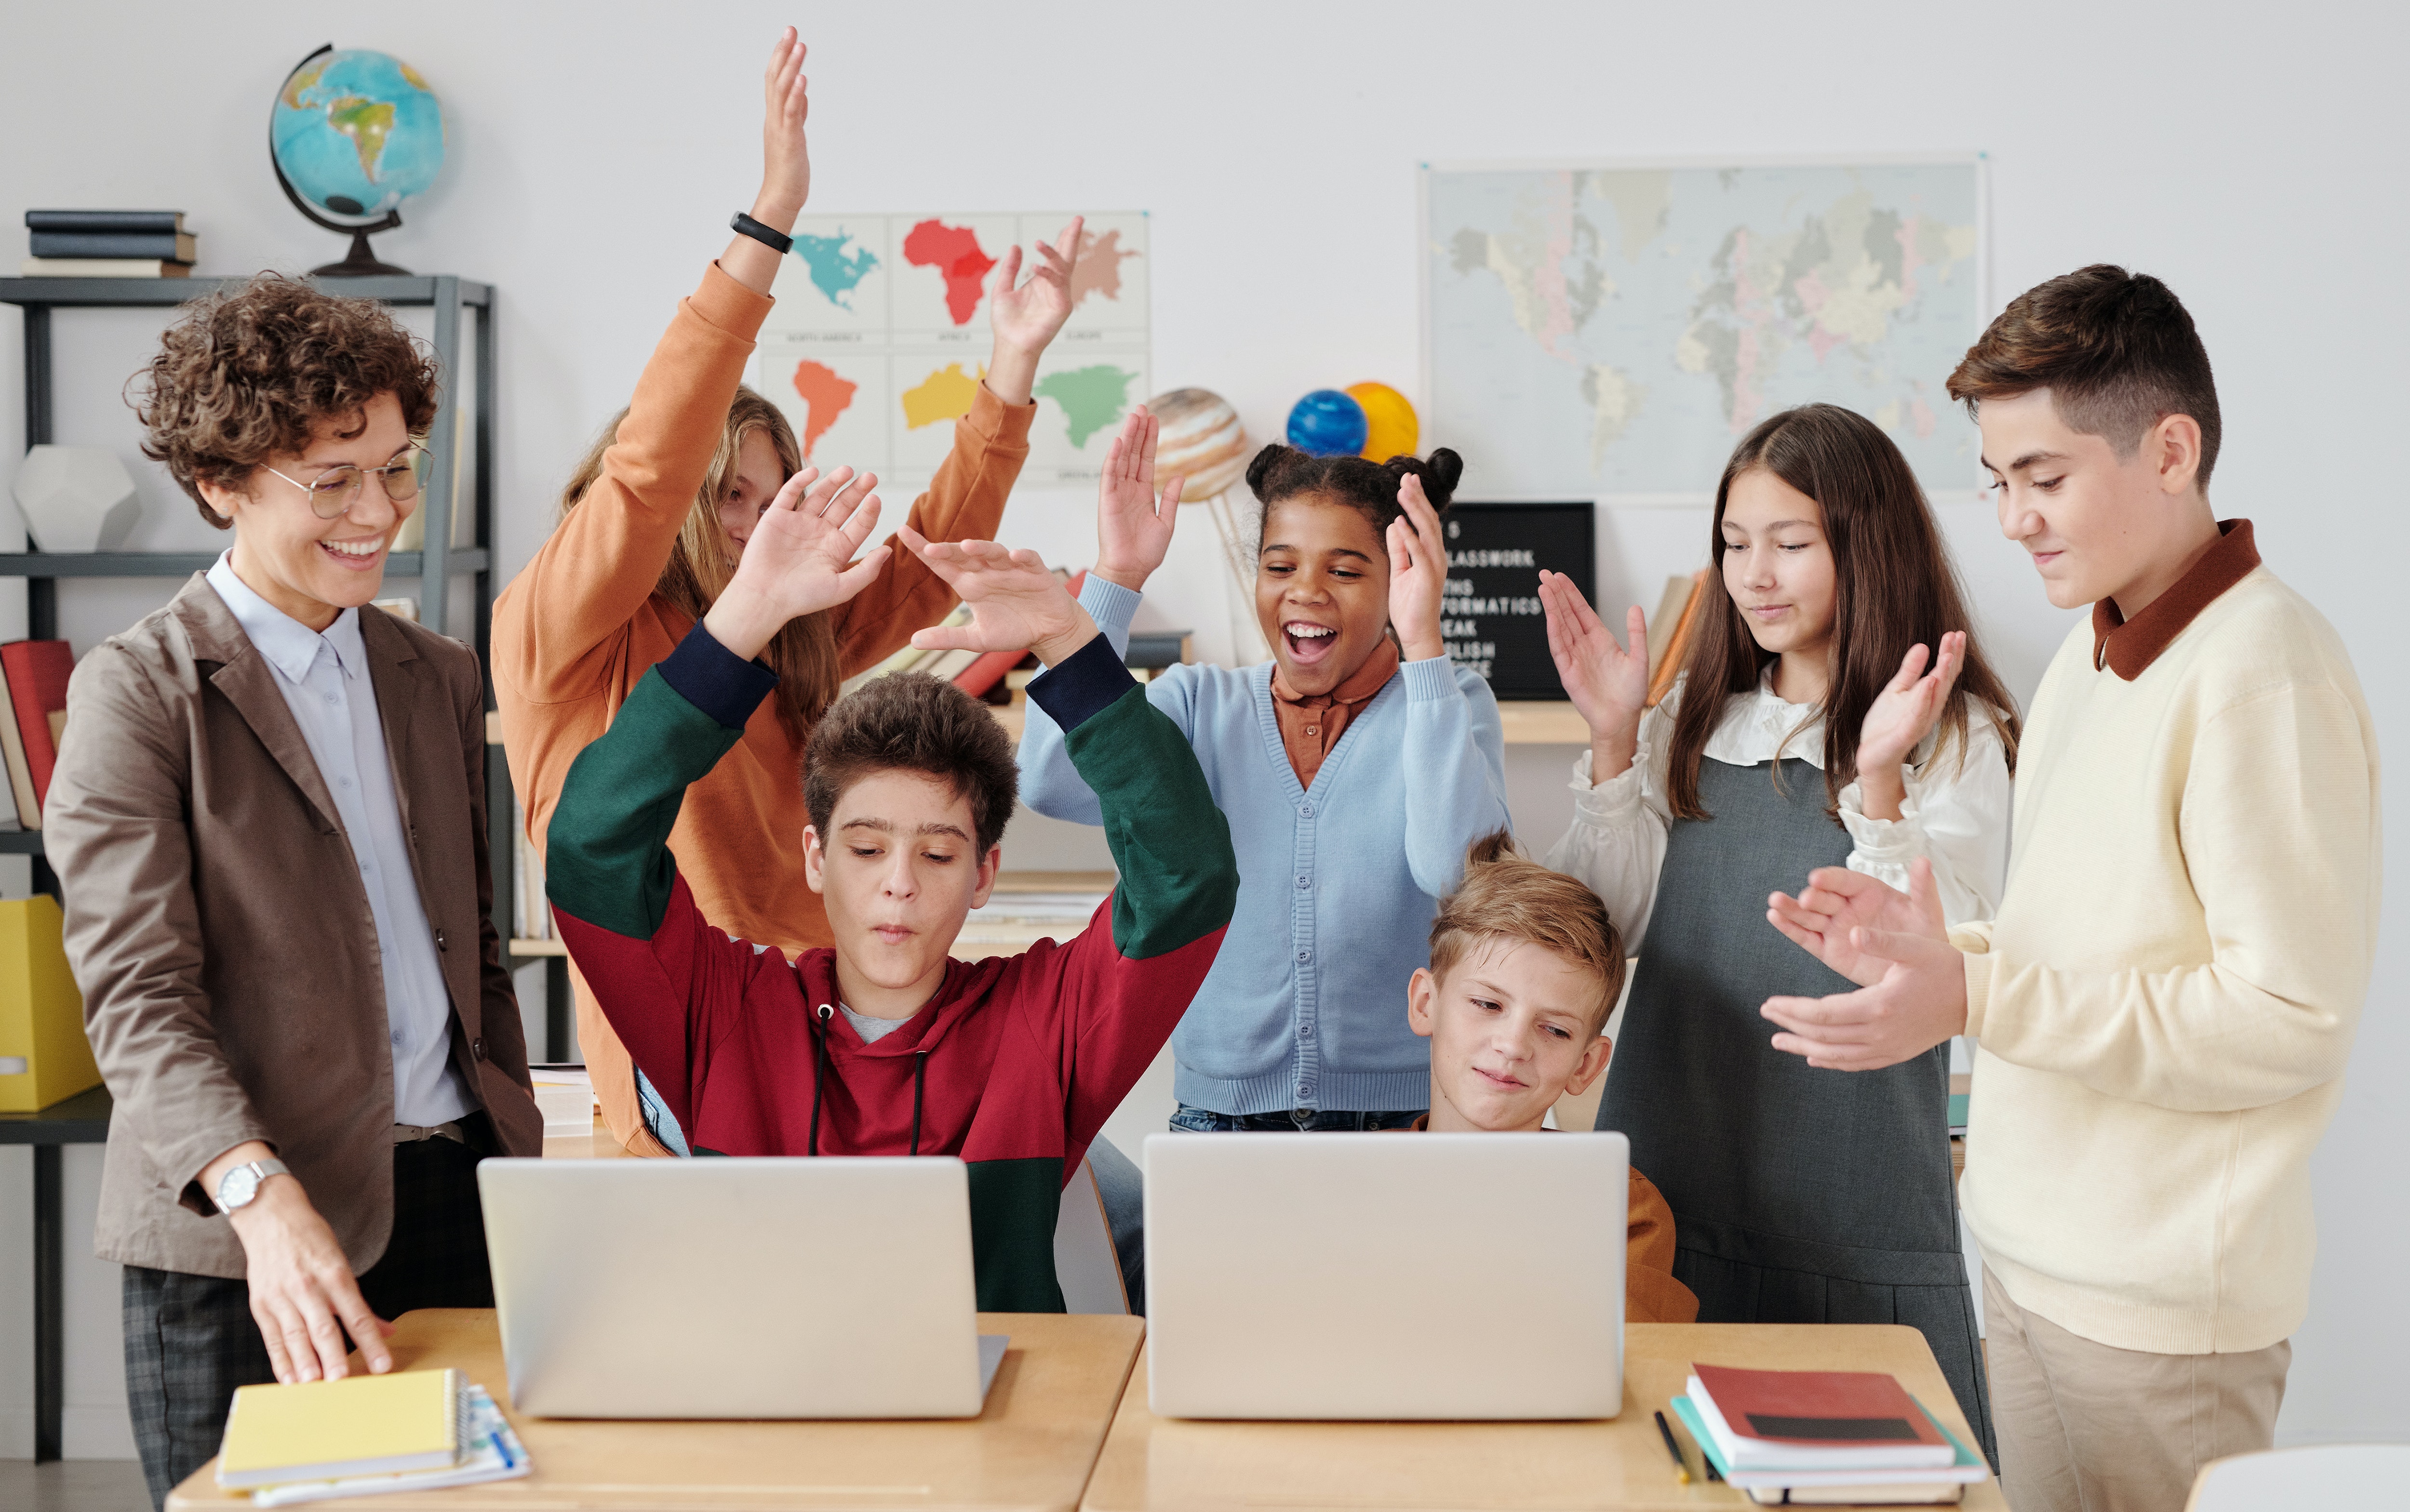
(653, 523)
(1834, 709)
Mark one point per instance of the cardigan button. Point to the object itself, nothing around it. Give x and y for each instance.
(1307, 809)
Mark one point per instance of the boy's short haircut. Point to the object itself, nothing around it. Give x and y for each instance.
(2116, 350)
(906, 721)
(248, 372)
(1506, 895)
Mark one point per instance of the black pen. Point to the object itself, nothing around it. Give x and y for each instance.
(1681, 1466)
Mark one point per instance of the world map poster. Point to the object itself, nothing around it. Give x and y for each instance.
(879, 339)
(1610, 331)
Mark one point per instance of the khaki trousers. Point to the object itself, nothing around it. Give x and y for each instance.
(2084, 1426)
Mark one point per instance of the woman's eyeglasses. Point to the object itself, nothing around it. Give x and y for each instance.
(338, 489)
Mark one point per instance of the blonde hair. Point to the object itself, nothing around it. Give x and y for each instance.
(1506, 897)
(804, 652)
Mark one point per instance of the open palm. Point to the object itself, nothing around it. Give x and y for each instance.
(1133, 522)
(799, 557)
(1606, 684)
(1839, 908)
(1027, 315)
(1016, 602)
(1904, 713)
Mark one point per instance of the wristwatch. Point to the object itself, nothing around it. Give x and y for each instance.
(238, 1186)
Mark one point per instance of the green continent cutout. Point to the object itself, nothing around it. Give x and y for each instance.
(367, 123)
(835, 272)
(1091, 398)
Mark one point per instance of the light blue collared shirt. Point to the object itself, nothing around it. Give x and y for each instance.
(324, 680)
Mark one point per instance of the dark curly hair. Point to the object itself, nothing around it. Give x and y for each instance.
(1366, 487)
(910, 722)
(249, 372)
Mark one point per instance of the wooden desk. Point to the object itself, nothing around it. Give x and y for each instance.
(1032, 1448)
(1156, 1464)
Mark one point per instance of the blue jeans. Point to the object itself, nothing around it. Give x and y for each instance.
(1190, 1120)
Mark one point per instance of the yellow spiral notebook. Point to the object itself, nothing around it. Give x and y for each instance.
(361, 1425)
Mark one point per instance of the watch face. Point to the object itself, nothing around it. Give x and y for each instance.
(240, 1186)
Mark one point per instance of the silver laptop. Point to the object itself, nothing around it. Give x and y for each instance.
(736, 1288)
(1386, 1275)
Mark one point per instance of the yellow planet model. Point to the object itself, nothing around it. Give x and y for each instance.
(1391, 430)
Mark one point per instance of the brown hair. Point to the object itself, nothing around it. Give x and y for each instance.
(1894, 588)
(249, 372)
(910, 722)
(804, 651)
(1504, 896)
(2116, 350)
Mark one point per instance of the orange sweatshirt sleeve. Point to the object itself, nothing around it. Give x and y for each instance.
(965, 503)
(560, 625)
(1651, 1293)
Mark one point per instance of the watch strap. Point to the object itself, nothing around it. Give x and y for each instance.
(744, 224)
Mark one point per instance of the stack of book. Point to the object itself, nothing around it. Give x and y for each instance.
(108, 244)
(364, 1435)
(33, 716)
(1823, 1438)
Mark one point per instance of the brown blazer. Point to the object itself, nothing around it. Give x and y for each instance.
(219, 930)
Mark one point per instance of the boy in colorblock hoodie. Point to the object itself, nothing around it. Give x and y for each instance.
(885, 1045)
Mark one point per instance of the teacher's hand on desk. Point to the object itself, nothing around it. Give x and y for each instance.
(301, 1285)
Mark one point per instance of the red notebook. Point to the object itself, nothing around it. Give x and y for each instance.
(1830, 1409)
(37, 687)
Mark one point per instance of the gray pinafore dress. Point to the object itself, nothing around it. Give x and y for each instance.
(1799, 1195)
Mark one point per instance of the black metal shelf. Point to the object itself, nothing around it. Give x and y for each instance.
(20, 842)
(160, 293)
(179, 563)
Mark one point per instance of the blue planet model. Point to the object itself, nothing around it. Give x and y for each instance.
(1328, 423)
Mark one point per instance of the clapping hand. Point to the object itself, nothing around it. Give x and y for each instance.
(1016, 602)
(1417, 573)
(1134, 523)
(1902, 715)
(1912, 982)
(1026, 316)
(1607, 685)
(799, 557)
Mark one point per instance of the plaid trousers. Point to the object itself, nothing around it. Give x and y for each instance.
(190, 1340)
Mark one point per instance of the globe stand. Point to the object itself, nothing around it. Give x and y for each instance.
(362, 261)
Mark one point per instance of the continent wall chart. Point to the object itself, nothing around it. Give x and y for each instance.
(1611, 331)
(881, 337)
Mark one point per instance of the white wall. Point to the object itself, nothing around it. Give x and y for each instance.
(2251, 158)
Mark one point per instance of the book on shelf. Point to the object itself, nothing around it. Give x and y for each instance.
(167, 222)
(102, 267)
(12, 748)
(38, 692)
(158, 246)
(1670, 633)
(531, 918)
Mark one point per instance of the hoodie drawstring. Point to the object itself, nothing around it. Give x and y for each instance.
(820, 1073)
(920, 1064)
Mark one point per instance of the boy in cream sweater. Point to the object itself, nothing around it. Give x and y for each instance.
(2166, 998)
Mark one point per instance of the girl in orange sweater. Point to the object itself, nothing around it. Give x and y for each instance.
(652, 524)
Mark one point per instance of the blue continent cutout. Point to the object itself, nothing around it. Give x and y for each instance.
(835, 272)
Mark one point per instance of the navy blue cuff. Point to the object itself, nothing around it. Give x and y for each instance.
(1081, 685)
(716, 680)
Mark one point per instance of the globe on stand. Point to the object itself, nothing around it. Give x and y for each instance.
(1326, 423)
(352, 134)
(1202, 439)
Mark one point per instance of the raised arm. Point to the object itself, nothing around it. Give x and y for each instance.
(557, 627)
(1456, 746)
(1616, 844)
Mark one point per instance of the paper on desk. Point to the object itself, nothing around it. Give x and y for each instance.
(565, 1095)
(491, 1452)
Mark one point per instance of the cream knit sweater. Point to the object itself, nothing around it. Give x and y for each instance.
(2168, 996)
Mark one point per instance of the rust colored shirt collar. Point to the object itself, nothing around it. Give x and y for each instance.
(2128, 647)
(1310, 726)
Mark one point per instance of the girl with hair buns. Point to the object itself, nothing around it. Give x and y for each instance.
(1354, 768)
(1805, 731)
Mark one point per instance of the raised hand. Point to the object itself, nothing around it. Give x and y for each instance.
(1026, 314)
(1134, 523)
(1016, 602)
(1838, 907)
(1915, 997)
(1417, 573)
(796, 560)
(786, 162)
(1608, 685)
(1902, 715)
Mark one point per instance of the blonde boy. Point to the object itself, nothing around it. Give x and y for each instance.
(1525, 966)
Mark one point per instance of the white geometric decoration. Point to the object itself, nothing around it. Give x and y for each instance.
(76, 499)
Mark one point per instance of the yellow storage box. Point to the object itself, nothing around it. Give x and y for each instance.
(44, 1055)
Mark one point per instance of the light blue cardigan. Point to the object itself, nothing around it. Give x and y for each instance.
(1306, 1005)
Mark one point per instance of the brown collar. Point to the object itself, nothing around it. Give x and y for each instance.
(2128, 647)
(1361, 683)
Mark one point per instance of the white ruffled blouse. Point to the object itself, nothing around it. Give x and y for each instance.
(1955, 814)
